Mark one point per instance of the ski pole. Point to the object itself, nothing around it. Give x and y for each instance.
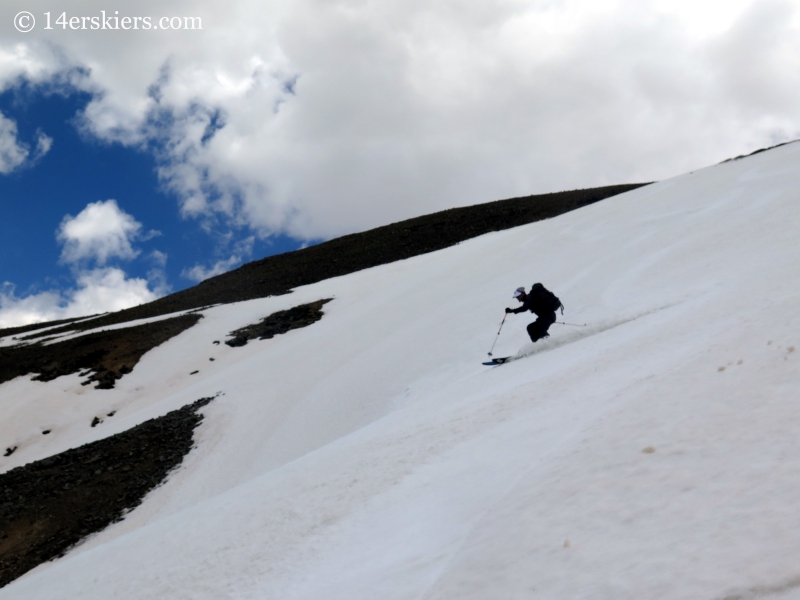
(573, 324)
(498, 333)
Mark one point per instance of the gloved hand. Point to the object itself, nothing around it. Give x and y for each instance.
(508, 310)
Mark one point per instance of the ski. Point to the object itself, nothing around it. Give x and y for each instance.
(498, 361)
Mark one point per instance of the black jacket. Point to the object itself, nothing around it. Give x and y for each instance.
(536, 301)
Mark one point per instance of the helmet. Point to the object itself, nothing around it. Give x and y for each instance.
(519, 292)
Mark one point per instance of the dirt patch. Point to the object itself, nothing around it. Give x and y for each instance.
(278, 323)
(278, 274)
(48, 506)
(106, 355)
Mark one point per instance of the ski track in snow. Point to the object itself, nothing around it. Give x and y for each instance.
(652, 454)
(579, 332)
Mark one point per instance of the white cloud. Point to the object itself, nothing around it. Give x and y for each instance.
(159, 258)
(157, 276)
(199, 272)
(15, 154)
(33, 308)
(317, 118)
(98, 291)
(36, 61)
(99, 232)
(43, 144)
(108, 290)
(241, 250)
(12, 153)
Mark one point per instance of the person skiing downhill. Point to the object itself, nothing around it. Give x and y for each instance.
(543, 303)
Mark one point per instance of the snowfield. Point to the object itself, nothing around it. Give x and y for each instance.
(654, 453)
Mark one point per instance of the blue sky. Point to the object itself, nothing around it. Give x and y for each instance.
(78, 170)
(135, 162)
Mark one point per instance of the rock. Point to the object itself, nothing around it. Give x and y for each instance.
(83, 490)
(279, 323)
(109, 354)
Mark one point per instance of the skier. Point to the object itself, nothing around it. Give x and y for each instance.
(543, 303)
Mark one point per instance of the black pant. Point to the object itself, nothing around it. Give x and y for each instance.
(538, 329)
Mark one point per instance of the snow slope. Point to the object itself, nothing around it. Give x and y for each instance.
(652, 454)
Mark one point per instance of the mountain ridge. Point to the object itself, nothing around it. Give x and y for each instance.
(280, 273)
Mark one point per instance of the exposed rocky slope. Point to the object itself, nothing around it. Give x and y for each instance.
(279, 323)
(48, 506)
(105, 355)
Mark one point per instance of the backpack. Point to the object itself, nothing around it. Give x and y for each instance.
(548, 298)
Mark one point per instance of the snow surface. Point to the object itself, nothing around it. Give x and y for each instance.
(652, 454)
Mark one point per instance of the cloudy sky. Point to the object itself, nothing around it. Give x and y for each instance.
(139, 155)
